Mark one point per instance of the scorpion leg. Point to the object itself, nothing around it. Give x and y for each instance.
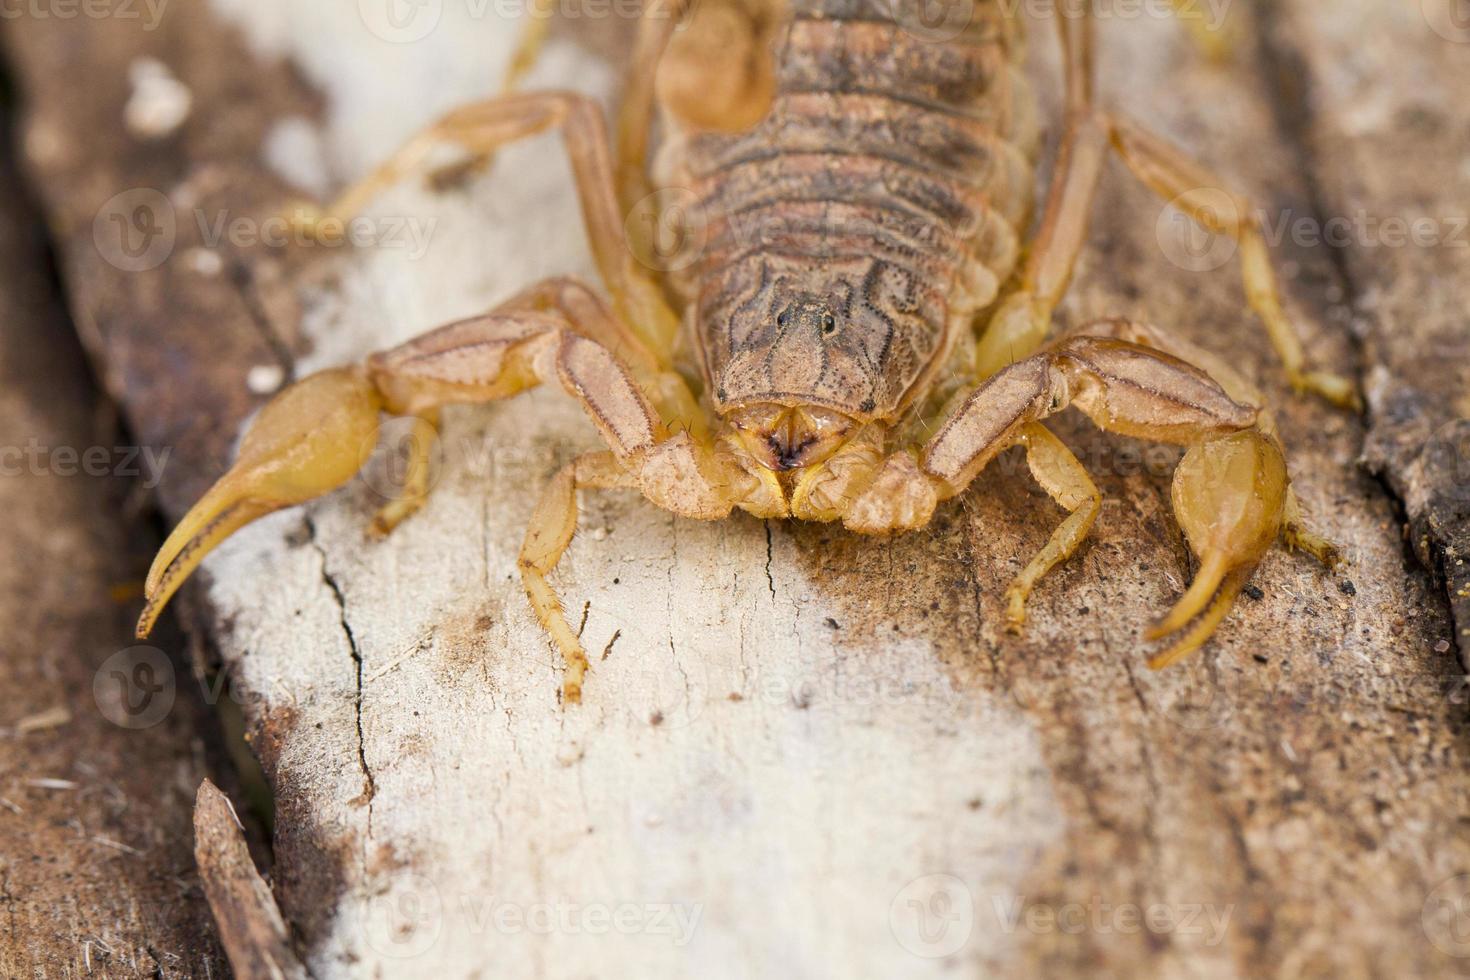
(1204, 197)
(635, 115)
(1229, 493)
(315, 435)
(1062, 475)
(1214, 40)
(547, 537)
(483, 128)
(1020, 324)
(528, 49)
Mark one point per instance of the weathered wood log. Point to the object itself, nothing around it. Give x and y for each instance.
(97, 760)
(1384, 147)
(801, 752)
(250, 924)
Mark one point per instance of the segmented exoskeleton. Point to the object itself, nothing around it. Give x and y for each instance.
(860, 327)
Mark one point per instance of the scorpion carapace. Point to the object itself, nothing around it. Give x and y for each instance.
(866, 328)
(853, 235)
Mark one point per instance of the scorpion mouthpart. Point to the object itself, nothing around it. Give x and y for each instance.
(783, 439)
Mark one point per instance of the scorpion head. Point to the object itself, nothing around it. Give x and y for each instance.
(774, 396)
(851, 336)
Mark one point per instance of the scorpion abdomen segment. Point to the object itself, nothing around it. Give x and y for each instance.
(886, 186)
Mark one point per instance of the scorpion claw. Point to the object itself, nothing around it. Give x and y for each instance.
(310, 439)
(1195, 636)
(1230, 497)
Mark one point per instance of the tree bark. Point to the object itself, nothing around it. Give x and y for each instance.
(101, 741)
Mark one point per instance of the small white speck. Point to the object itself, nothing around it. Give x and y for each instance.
(1287, 750)
(265, 379)
(43, 144)
(652, 820)
(294, 150)
(598, 534)
(115, 845)
(205, 261)
(51, 784)
(160, 102)
(42, 720)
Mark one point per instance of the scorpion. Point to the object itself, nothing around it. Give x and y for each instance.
(864, 328)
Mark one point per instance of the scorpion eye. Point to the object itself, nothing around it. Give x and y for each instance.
(784, 319)
(829, 324)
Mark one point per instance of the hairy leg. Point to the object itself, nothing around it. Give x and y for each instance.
(1062, 476)
(1022, 321)
(547, 537)
(1206, 199)
(483, 128)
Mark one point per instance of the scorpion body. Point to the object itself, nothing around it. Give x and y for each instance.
(892, 174)
(862, 327)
